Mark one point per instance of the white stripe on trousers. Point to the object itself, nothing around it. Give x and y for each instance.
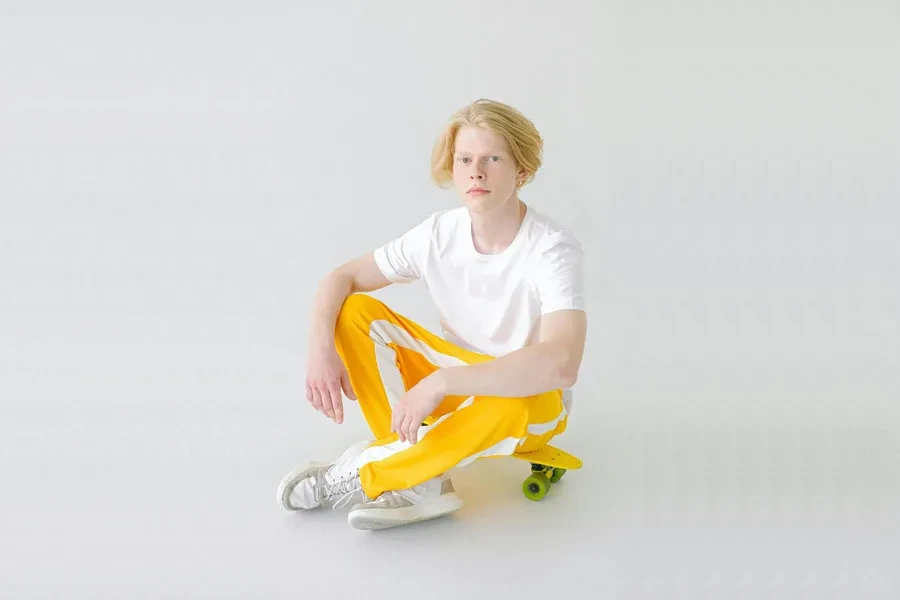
(384, 332)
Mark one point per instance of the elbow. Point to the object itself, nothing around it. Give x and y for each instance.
(568, 378)
(562, 365)
(567, 372)
(343, 277)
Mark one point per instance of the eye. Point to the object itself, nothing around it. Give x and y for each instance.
(494, 158)
(463, 159)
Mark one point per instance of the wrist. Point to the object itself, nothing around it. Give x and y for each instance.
(321, 347)
(441, 380)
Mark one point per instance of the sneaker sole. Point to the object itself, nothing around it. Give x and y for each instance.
(371, 519)
(283, 496)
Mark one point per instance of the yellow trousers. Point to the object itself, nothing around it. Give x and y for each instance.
(386, 354)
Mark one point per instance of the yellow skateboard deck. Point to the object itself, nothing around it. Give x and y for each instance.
(549, 456)
(548, 465)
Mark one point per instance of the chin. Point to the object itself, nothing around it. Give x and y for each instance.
(478, 204)
(483, 204)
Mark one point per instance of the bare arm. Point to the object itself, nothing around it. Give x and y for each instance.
(358, 275)
(326, 374)
(552, 363)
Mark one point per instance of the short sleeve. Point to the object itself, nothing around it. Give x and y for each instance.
(402, 259)
(559, 273)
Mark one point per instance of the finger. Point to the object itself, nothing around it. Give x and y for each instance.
(317, 402)
(396, 419)
(407, 430)
(313, 397)
(346, 386)
(325, 400)
(404, 427)
(401, 415)
(414, 425)
(337, 402)
(328, 401)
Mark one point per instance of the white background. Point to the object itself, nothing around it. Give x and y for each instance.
(174, 182)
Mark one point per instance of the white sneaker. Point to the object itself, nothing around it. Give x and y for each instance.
(429, 500)
(318, 483)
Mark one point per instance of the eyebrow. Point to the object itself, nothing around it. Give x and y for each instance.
(497, 152)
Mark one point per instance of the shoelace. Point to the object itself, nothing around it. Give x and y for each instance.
(344, 490)
(341, 480)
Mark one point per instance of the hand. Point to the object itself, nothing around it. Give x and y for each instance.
(326, 376)
(415, 405)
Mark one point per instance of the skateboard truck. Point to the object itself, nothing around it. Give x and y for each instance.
(548, 465)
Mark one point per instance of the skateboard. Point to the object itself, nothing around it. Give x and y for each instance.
(548, 465)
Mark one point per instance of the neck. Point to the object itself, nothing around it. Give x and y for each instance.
(494, 231)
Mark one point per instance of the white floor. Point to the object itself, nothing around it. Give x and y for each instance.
(142, 484)
(172, 185)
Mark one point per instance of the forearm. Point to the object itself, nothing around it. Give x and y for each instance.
(327, 302)
(531, 370)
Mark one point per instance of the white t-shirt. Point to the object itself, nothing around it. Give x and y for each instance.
(489, 303)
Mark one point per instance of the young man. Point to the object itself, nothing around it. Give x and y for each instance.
(507, 283)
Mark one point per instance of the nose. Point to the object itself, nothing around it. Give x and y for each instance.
(476, 173)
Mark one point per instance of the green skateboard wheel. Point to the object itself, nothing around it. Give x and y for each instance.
(536, 486)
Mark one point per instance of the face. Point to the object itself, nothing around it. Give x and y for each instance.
(484, 171)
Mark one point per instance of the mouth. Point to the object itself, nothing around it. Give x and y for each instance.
(477, 191)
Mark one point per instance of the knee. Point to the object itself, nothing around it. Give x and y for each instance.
(510, 410)
(359, 309)
(357, 303)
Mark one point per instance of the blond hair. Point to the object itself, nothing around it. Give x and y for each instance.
(524, 140)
